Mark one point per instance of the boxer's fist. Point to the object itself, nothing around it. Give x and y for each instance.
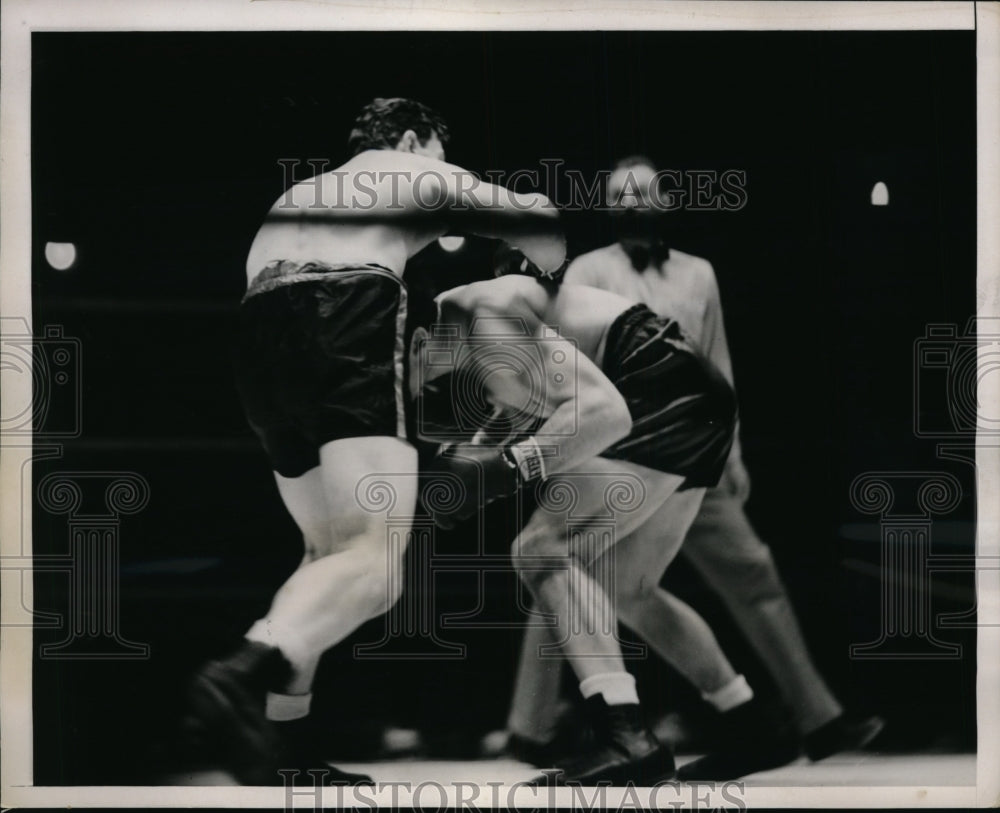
(545, 251)
(511, 260)
(486, 473)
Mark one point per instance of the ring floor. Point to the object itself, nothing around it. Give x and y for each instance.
(861, 769)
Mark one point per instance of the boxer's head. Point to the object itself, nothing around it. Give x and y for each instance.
(634, 202)
(399, 124)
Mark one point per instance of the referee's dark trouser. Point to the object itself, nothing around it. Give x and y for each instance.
(723, 547)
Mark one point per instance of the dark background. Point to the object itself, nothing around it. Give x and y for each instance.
(157, 155)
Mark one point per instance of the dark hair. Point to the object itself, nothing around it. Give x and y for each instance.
(636, 160)
(383, 121)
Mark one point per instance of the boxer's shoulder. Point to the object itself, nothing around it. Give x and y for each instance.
(512, 294)
(597, 264)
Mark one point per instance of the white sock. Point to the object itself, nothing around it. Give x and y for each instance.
(733, 694)
(281, 707)
(617, 687)
(267, 632)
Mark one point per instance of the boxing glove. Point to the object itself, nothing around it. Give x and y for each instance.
(510, 260)
(486, 473)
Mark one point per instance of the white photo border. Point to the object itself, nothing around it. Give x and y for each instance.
(19, 18)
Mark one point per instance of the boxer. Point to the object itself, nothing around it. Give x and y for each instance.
(319, 370)
(618, 393)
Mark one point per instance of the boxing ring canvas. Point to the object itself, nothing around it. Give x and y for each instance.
(837, 165)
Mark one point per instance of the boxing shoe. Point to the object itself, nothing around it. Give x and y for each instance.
(752, 738)
(623, 751)
(226, 711)
(226, 722)
(843, 733)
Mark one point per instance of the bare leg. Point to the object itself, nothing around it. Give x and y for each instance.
(349, 574)
(679, 635)
(675, 631)
(565, 556)
(563, 541)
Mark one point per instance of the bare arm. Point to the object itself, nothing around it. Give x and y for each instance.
(389, 186)
(586, 413)
(528, 221)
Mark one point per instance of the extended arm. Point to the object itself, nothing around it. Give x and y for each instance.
(528, 221)
(386, 186)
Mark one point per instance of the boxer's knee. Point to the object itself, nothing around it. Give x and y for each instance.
(377, 567)
(536, 556)
(366, 533)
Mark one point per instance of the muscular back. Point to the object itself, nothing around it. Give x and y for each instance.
(365, 211)
(579, 313)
